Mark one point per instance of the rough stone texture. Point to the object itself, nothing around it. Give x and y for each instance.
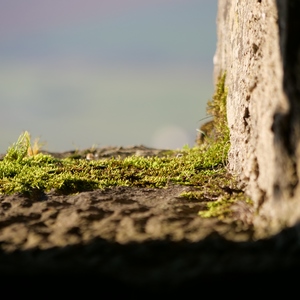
(145, 242)
(258, 48)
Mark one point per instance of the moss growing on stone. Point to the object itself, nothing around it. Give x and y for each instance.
(23, 173)
(216, 130)
(203, 167)
(216, 139)
(217, 108)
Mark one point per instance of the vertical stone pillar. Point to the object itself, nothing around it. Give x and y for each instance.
(259, 49)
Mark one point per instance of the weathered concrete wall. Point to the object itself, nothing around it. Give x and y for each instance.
(259, 48)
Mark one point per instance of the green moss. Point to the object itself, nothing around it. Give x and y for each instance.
(218, 109)
(221, 208)
(221, 191)
(202, 166)
(19, 149)
(44, 172)
(216, 130)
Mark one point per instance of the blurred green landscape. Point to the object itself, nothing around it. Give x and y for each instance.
(139, 74)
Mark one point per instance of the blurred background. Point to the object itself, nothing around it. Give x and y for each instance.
(83, 73)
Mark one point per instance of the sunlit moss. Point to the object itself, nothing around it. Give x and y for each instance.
(216, 130)
(69, 175)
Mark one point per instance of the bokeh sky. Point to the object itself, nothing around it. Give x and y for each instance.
(83, 73)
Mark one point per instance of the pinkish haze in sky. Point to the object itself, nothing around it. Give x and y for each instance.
(30, 15)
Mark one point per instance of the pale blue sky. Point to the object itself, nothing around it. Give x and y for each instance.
(78, 73)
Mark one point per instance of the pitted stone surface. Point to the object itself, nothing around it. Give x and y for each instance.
(256, 41)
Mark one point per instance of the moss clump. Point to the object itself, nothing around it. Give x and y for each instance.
(218, 110)
(221, 208)
(23, 173)
(23, 147)
(216, 130)
(214, 137)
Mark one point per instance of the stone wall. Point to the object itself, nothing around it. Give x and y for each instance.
(259, 49)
